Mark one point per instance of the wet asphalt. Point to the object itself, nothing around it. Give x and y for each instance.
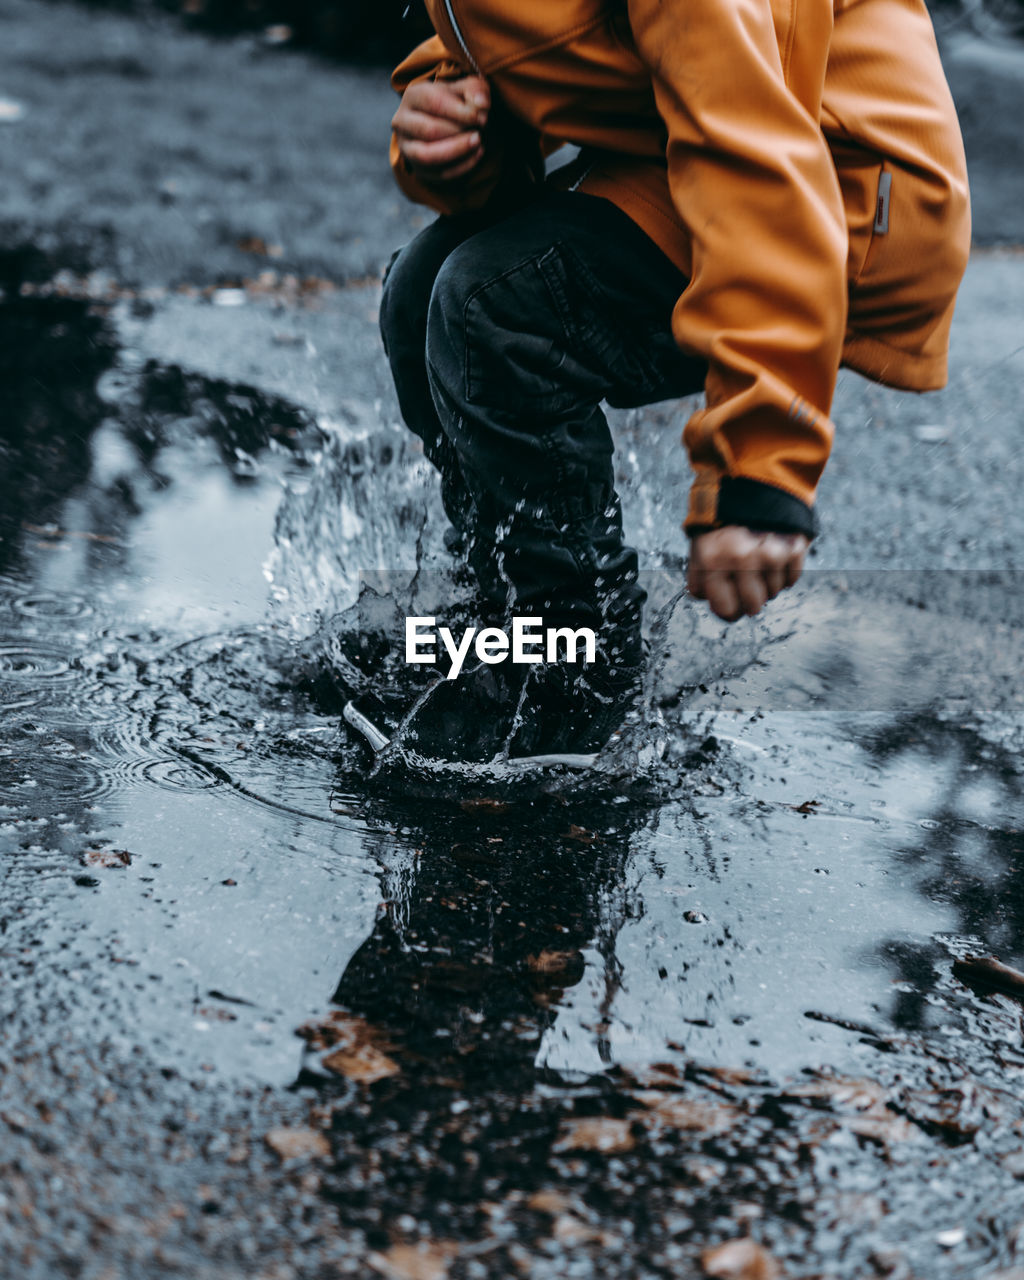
(262, 1017)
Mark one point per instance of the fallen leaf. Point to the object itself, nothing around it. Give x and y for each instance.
(547, 961)
(962, 1110)
(740, 1260)
(364, 1064)
(861, 1106)
(596, 1133)
(654, 1075)
(553, 1202)
(427, 1260)
(882, 1129)
(735, 1077)
(573, 1232)
(484, 804)
(842, 1093)
(111, 858)
(579, 834)
(297, 1144)
(673, 1111)
(358, 1050)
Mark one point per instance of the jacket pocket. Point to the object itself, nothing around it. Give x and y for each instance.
(860, 181)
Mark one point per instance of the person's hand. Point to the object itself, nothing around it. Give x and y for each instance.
(737, 571)
(438, 126)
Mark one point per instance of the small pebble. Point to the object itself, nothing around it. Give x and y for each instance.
(931, 433)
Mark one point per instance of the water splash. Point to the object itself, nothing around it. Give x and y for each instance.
(371, 505)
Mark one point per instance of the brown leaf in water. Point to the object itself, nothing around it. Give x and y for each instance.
(364, 1064)
(484, 804)
(861, 1106)
(580, 834)
(359, 1051)
(548, 961)
(297, 1144)
(962, 1110)
(842, 1093)
(572, 1231)
(552, 1202)
(596, 1133)
(740, 1260)
(654, 1075)
(735, 1077)
(882, 1129)
(673, 1111)
(110, 858)
(426, 1260)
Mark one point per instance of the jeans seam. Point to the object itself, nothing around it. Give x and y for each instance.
(592, 331)
(560, 301)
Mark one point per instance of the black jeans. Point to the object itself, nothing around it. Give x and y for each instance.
(504, 336)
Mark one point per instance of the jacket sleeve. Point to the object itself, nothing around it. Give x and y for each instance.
(512, 156)
(739, 88)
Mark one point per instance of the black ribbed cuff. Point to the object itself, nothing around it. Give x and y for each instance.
(762, 507)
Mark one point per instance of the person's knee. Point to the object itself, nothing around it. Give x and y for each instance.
(493, 333)
(453, 288)
(399, 302)
(408, 281)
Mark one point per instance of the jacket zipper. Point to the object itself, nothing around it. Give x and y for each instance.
(454, 22)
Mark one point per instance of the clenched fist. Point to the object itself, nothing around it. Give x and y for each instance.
(737, 571)
(438, 126)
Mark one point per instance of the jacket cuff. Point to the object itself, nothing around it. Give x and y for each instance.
(759, 506)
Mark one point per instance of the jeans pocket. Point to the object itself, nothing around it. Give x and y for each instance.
(630, 351)
(516, 340)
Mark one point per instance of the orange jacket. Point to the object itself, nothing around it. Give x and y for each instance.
(799, 160)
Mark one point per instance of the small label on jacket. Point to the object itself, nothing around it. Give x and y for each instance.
(882, 205)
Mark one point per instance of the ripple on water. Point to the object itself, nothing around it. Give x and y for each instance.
(44, 605)
(30, 672)
(26, 662)
(145, 710)
(127, 755)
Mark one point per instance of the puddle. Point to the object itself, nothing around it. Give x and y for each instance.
(835, 816)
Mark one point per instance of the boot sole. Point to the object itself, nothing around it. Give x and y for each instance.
(378, 740)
